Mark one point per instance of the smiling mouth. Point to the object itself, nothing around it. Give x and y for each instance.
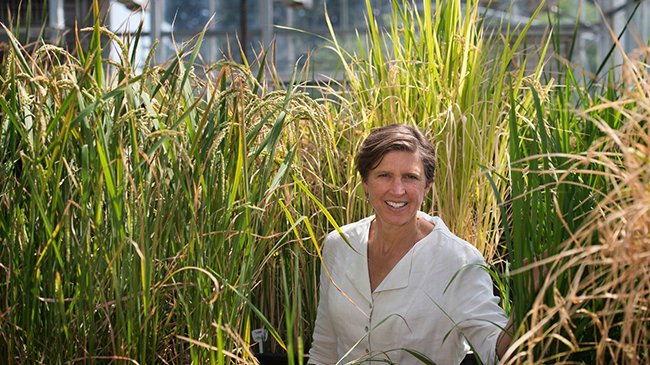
(396, 205)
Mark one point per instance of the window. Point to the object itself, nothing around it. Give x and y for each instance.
(296, 31)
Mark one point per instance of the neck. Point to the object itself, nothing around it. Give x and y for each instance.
(387, 238)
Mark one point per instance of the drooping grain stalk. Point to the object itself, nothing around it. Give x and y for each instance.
(140, 210)
(582, 194)
(600, 279)
(435, 68)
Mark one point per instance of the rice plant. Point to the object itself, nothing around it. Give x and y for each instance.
(140, 210)
(546, 184)
(596, 310)
(577, 179)
(158, 216)
(436, 68)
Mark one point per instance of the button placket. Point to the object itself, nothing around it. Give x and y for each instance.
(369, 326)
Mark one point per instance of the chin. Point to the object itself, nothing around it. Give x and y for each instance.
(398, 218)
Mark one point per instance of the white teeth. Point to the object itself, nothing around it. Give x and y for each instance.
(396, 205)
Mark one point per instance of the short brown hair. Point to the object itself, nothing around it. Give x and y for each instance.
(395, 137)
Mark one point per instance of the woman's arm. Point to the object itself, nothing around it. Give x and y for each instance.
(505, 337)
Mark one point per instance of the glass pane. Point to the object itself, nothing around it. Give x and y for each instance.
(213, 49)
(187, 15)
(123, 20)
(38, 11)
(382, 11)
(227, 15)
(315, 17)
(192, 15)
(168, 50)
(124, 23)
(292, 49)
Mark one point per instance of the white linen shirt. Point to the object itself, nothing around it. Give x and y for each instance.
(437, 294)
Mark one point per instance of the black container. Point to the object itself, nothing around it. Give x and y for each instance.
(282, 359)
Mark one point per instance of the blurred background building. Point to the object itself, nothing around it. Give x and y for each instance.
(257, 23)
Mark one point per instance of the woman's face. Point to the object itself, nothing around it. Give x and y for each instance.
(396, 187)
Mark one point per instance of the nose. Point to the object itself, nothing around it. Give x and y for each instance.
(397, 187)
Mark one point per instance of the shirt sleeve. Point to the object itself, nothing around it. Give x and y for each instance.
(324, 346)
(479, 316)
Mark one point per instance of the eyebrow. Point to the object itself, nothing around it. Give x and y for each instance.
(378, 171)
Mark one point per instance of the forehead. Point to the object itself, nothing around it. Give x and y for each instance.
(400, 160)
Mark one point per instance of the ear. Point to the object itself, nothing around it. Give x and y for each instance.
(427, 187)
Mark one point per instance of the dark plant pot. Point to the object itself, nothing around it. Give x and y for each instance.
(282, 359)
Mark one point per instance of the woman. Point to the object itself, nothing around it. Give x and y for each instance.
(400, 280)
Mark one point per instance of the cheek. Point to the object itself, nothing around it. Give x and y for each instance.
(418, 187)
(425, 189)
